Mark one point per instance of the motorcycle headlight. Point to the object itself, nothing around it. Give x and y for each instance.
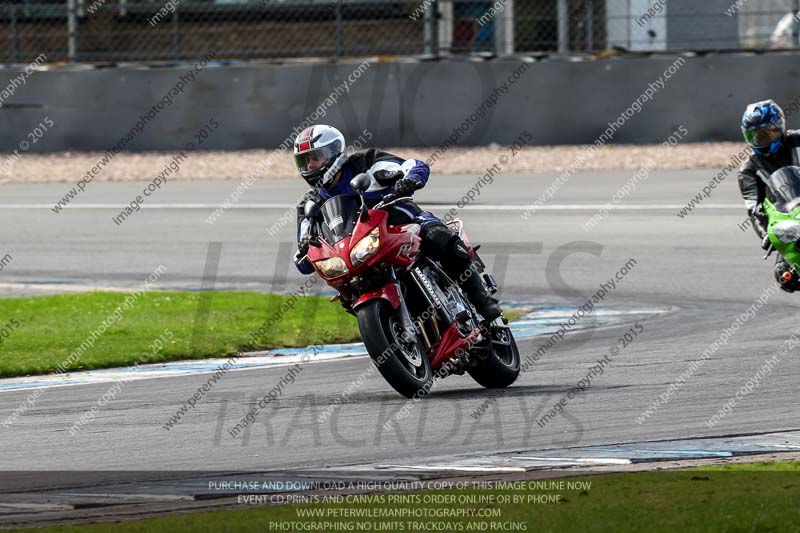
(331, 267)
(787, 231)
(366, 247)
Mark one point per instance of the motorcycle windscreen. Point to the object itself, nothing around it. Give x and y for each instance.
(339, 216)
(784, 187)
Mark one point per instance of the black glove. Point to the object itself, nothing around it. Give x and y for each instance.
(312, 195)
(302, 246)
(765, 243)
(406, 186)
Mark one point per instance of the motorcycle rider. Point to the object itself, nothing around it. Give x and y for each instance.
(764, 129)
(319, 153)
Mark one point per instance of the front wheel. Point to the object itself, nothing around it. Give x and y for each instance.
(500, 368)
(404, 366)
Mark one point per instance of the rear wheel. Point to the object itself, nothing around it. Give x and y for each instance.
(405, 366)
(500, 368)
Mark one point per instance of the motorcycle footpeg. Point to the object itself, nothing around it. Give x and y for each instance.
(459, 371)
(500, 322)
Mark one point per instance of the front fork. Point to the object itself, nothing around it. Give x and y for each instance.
(409, 334)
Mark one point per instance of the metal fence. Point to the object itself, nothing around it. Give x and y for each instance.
(134, 30)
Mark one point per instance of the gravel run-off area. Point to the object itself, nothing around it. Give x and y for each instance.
(248, 164)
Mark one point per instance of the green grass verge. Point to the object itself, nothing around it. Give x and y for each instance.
(762, 498)
(53, 327)
(773, 466)
(40, 333)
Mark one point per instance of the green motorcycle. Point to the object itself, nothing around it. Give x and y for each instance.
(782, 206)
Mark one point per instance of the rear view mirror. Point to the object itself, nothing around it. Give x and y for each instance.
(360, 183)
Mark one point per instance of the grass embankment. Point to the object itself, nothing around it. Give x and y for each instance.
(743, 498)
(39, 334)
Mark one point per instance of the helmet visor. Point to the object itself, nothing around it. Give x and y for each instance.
(764, 136)
(317, 160)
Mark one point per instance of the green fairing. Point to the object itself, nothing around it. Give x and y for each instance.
(788, 251)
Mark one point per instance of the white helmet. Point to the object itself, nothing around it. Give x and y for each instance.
(316, 148)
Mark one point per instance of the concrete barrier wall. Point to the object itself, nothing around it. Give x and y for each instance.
(400, 103)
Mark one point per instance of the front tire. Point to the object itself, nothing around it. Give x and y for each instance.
(406, 368)
(500, 368)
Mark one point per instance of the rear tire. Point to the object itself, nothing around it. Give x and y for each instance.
(501, 367)
(407, 370)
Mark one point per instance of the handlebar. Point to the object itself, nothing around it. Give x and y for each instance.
(392, 198)
(389, 200)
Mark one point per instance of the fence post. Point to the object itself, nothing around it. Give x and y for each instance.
(444, 31)
(429, 29)
(72, 30)
(339, 29)
(14, 34)
(563, 27)
(504, 30)
(176, 32)
(590, 24)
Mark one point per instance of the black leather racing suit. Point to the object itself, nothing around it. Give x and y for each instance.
(752, 177)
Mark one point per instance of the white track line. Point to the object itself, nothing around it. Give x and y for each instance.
(584, 460)
(64, 287)
(282, 357)
(484, 207)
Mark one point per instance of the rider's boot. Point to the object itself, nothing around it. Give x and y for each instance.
(786, 276)
(442, 244)
(478, 294)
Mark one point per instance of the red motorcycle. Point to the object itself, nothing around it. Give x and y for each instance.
(415, 321)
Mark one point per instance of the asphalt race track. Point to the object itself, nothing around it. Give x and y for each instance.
(702, 269)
